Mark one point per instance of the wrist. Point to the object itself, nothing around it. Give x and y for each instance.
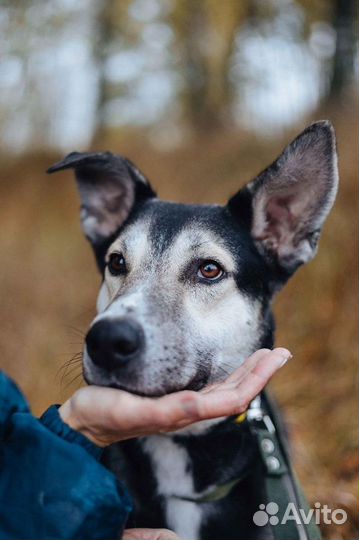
(69, 415)
(54, 422)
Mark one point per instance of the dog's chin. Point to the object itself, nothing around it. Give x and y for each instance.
(198, 382)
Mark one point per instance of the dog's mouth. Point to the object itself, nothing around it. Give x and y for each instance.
(199, 381)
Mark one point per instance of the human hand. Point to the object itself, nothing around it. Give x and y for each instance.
(149, 534)
(108, 415)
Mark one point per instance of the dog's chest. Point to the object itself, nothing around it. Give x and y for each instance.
(162, 472)
(172, 469)
(158, 473)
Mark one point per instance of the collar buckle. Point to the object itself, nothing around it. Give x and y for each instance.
(255, 413)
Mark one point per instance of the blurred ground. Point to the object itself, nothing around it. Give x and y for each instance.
(49, 284)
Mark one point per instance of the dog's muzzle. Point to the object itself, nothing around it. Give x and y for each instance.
(113, 343)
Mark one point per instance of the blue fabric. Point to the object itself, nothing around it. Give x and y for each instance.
(52, 420)
(51, 484)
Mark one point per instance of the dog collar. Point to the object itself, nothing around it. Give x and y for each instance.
(217, 494)
(241, 418)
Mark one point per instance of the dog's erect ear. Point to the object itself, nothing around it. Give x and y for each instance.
(109, 188)
(287, 204)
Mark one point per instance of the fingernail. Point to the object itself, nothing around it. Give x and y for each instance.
(285, 359)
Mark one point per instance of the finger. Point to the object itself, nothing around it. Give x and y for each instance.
(149, 534)
(144, 416)
(261, 372)
(248, 364)
(253, 360)
(239, 373)
(177, 408)
(225, 402)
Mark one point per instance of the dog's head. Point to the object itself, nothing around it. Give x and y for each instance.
(186, 289)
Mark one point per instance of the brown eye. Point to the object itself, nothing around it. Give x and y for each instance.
(210, 270)
(117, 264)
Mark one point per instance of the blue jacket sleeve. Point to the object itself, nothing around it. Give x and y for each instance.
(51, 483)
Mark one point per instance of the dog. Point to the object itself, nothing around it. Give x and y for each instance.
(186, 297)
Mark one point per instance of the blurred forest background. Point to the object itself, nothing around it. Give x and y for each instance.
(202, 95)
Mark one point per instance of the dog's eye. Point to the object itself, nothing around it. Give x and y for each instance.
(210, 270)
(117, 264)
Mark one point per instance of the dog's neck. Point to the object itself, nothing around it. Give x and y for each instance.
(170, 476)
(192, 465)
(221, 454)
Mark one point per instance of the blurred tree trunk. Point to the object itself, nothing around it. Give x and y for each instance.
(344, 20)
(105, 33)
(205, 33)
(110, 28)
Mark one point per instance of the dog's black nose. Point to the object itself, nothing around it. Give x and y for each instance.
(111, 343)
